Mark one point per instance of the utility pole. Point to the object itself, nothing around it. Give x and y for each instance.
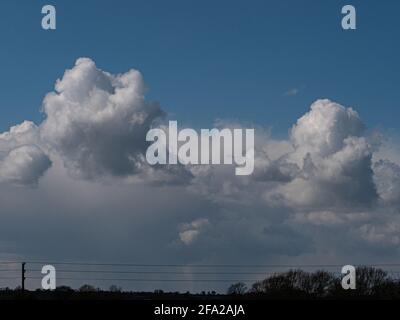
(23, 277)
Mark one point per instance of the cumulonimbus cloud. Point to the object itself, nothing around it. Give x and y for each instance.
(333, 156)
(326, 162)
(326, 181)
(97, 122)
(327, 174)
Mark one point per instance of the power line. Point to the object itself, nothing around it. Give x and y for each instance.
(151, 280)
(208, 265)
(155, 272)
(10, 270)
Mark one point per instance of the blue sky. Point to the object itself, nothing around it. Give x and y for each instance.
(204, 60)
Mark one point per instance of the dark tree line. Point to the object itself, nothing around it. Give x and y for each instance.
(370, 283)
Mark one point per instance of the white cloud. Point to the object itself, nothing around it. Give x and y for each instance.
(22, 161)
(324, 175)
(191, 231)
(97, 122)
(334, 158)
(381, 234)
(323, 130)
(327, 162)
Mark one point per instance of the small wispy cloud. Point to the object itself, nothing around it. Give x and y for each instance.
(292, 92)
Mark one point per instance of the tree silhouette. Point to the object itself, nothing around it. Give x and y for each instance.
(238, 288)
(370, 282)
(88, 288)
(114, 288)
